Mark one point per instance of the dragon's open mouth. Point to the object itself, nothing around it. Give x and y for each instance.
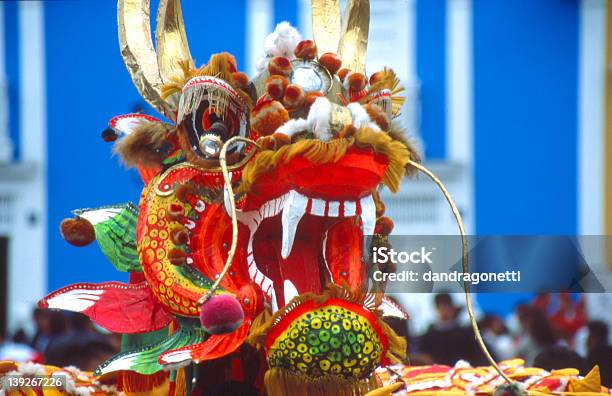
(298, 244)
(304, 235)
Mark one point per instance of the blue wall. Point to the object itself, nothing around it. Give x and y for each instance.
(431, 72)
(286, 10)
(525, 102)
(11, 55)
(87, 84)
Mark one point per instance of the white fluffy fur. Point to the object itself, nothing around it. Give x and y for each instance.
(319, 118)
(293, 126)
(281, 42)
(361, 118)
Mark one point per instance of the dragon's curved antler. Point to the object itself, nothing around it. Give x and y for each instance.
(150, 70)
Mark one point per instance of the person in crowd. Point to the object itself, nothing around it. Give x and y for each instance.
(17, 348)
(569, 317)
(560, 357)
(496, 335)
(538, 336)
(599, 351)
(542, 302)
(81, 346)
(446, 341)
(49, 325)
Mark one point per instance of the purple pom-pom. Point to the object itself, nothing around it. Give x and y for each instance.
(221, 314)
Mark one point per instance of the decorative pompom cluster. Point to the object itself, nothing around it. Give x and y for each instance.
(281, 42)
(370, 102)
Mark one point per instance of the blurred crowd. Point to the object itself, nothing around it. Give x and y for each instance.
(553, 331)
(550, 332)
(61, 339)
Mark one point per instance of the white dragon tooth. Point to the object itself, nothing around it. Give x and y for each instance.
(190, 224)
(368, 215)
(290, 291)
(273, 302)
(250, 218)
(295, 207)
(318, 207)
(350, 208)
(333, 208)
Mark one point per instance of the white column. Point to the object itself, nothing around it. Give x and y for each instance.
(459, 100)
(27, 276)
(591, 116)
(591, 102)
(305, 18)
(259, 25)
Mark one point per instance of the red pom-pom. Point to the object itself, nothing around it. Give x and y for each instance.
(342, 73)
(374, 78)
(241, 79)
(331, 62)
(294, 96)
(311, 97)
(306, 49)
(77, 231)
(275, 86)
(175, 211)
(109, 135)
(221, 314)
(280, 65)
(179, 235)
(357, 81)
(184, 192)
(177, 256)
(384, 226)
(267, 118)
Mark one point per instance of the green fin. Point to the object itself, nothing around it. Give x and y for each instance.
(115, 227)
(143, 360)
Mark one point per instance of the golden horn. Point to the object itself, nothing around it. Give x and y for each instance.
(326, 25)
(138, 53)
(170, 38)
(354, 41)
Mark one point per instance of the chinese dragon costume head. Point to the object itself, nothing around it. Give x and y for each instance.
(258, 194)
(250, 228)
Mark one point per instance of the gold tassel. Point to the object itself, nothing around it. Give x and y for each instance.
(135, 384)
(259, 329)
(179, 387)
(280, 382)
(396, 345)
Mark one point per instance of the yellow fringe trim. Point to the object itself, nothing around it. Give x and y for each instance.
(386, 390)
(321, 152)
(259, 328)
(218, 66)
(281, 382)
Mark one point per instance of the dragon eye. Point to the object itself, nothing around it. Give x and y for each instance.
(211, 112)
